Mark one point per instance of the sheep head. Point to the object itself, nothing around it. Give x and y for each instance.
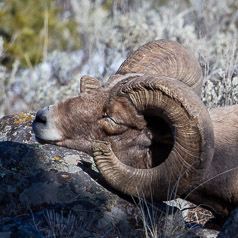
(146, 127)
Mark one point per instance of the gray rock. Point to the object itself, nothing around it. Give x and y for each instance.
(35, 177)
(230, 228)
(199, 233)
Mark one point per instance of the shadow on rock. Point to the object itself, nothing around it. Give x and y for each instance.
(35, 178)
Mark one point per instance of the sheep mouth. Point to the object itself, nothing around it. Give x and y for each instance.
(46, 132)
(43, 141)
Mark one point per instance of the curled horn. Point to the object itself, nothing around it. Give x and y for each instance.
(165, 58)
(192, 139)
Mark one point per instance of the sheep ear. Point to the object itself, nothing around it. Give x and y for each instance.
(88, 83)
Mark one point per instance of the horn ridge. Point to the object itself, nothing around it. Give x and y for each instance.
(193, 136)
(166, 90)
(165, 58)
(175, 91)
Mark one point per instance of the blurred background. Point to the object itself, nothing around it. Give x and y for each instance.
(46, 46)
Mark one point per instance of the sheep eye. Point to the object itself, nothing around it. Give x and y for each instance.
(111, 127)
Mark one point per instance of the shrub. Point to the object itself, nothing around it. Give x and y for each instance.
(29, 29)
(111, 29)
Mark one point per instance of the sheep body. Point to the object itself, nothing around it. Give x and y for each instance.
(149, 131)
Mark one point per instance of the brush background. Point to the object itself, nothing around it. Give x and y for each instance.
(45, 49)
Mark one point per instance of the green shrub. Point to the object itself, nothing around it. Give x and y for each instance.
(30, 28)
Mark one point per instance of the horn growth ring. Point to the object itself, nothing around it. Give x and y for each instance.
(165, 97)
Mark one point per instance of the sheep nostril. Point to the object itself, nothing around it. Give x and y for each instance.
(40, 117)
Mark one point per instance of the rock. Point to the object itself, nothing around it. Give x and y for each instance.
(34, 178)
(199, 233)
(230, 228)
(54, 191)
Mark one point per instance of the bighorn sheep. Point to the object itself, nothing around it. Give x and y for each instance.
(149, 131)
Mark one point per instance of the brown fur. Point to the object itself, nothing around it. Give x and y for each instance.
(219, 189)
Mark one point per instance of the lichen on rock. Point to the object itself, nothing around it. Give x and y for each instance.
(37, 177)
